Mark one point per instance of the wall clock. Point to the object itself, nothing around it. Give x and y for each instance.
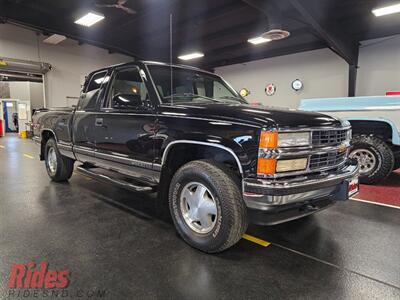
(297, 85)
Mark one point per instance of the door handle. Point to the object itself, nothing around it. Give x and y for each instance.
(98, 122)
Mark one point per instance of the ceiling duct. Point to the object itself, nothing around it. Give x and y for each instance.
(274, 18)
(24, 66)
(275, 34)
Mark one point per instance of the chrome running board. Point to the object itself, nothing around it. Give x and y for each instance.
(119, 182)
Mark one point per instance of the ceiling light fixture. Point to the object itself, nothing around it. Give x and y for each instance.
(191, 56)
(54, 39)
(89, 19)
(258, 40)
(386, 10)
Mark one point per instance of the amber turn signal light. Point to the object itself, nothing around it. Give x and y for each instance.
(268, 139)
(266, 166)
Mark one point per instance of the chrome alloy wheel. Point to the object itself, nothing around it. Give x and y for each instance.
(52, 160)
(365, 158)
(198, 207)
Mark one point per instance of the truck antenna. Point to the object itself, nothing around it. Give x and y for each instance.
(170, 58)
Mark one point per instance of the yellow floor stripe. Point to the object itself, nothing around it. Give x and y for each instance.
(2, 147)
(256, 240)
(28, 156)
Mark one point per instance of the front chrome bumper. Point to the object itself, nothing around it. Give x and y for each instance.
(264, 194)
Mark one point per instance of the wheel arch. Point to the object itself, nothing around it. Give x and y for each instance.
(378, 126)
(45, 134)
(173, 144)
(190, 150)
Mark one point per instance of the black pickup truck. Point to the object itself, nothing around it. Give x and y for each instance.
(188, 135)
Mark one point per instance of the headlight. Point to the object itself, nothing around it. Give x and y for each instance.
(292, 139)
(270, 142)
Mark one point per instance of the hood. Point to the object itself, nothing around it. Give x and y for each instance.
(260, 116)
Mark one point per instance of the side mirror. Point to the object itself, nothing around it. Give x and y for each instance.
(126, 100)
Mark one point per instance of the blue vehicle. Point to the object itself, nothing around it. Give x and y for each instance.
(375, 123)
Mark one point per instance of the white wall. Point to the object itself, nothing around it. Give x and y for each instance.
(69, 60)
(379, 63)
(36, 94)
(322, 72)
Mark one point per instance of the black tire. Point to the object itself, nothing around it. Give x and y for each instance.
(64, 167)
(231, 217)
(396, 162)
(384, 158)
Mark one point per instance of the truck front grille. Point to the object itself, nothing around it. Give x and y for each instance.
(330, 159)
(328, 137)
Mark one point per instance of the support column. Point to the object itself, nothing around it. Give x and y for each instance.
(351, 91)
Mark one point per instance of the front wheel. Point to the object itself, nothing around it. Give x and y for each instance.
(397, 162)
(374, 156)
(59, 168)
(207, 206)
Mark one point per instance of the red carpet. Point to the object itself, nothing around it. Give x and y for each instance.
(386, 192)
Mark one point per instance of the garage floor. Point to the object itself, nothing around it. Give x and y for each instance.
(124, 243)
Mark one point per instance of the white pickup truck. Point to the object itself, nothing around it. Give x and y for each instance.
(375, 123)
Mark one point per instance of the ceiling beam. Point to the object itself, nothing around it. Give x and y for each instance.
(270, 10)
(297, 48)
(344, 47)
(246, 46)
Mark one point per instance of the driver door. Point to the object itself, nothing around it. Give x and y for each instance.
(124, 127)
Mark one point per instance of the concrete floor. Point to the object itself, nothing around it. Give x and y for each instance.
(124, 243)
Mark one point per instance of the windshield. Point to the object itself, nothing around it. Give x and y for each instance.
(191, 86)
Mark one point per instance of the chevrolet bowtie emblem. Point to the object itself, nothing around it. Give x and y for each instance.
(342, 148)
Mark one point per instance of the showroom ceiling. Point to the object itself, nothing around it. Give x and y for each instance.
(219, 29)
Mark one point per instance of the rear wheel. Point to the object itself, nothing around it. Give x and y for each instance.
(374, 156)
(207, 206)
(59, 168)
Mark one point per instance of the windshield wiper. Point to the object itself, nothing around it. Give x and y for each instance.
(232, 98)
(190, 95)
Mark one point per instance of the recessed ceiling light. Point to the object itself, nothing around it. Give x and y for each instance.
(386, 10)
(54, 39)
(191, 56)
(258, 40)
(89, 19)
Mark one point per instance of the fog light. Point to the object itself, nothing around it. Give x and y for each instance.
(288, 165)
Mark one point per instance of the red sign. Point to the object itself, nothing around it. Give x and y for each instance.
(27, 276)
(270, 89)
(392, 93)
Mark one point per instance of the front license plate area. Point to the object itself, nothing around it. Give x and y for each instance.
(353, 186)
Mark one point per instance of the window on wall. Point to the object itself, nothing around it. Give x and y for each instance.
(91, 91)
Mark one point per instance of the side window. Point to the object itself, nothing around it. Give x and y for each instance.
(91, 90)
(219, 90)
(127, 89)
